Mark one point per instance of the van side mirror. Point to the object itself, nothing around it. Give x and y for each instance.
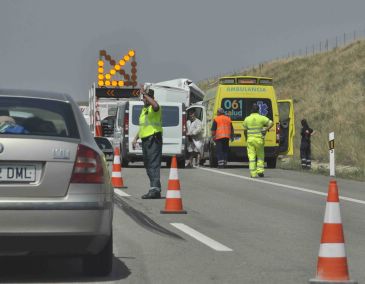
(105, 146)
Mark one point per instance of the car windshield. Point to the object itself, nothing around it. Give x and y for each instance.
(40, 117)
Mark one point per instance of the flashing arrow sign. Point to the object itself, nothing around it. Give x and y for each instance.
(117, 93)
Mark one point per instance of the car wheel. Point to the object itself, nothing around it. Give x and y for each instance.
(271, 163)
(101, 263)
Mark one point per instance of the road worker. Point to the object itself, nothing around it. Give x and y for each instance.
(150, 132)
(222, 131)
(255, 127)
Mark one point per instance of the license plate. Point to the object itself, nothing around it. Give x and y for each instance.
(17, 173)
(237, 137)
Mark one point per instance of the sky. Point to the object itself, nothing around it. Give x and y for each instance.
(54, 45)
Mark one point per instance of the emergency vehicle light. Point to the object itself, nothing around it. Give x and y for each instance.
(227, 81)
(265, 82)
(247, 81)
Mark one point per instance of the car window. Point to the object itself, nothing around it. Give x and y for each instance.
(170, 115)
(31, 116)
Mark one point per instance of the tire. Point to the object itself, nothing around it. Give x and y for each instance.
(100, 264)
(125, 163)
(181, 163)
(213, 163)
(271, 163)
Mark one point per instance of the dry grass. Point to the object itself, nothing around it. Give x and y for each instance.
(328, 90)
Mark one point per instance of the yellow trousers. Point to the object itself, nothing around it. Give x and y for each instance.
(256, 155)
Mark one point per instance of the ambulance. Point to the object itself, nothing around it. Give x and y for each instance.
(236, 95)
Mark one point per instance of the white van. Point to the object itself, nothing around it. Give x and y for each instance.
(173, 124)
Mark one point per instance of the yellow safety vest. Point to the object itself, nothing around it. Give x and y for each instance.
(150, 122)
(254, 124)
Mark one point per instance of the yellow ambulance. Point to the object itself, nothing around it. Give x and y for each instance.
(236, 95)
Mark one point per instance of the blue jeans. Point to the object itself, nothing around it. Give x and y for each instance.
(152, 156)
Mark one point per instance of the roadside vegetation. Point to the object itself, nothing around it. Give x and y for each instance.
(328, 89)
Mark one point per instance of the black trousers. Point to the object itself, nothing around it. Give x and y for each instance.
(305, 155)
(222, 148)
(152, 156)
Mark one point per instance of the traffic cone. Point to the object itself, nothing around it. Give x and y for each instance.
(173, 204)
(98, 129)
(117, 179)
(332, 260)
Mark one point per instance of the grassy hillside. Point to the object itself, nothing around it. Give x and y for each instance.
(328, 90)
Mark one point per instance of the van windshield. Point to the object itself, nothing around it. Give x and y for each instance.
(239, 108)
(170, 115)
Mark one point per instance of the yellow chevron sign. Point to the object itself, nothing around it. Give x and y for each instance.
(107, 79)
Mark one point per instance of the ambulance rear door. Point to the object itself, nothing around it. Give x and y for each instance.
(287, 127)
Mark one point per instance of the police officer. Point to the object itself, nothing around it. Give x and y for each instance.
(222, 131)
(255, 127)
(150, 132)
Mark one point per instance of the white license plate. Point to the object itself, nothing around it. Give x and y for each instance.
(237, 138)
(17, 173)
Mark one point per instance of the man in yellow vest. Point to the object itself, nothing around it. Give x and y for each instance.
(255, 127)
(150, 132)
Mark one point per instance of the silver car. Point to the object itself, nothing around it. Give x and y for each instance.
(56, 196)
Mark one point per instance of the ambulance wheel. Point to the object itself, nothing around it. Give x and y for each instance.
(271, 163)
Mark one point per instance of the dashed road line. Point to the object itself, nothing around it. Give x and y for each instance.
(200, 237)
(120, 192)
(283, 185)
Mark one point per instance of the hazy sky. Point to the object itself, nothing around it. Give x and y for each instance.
(54, 45)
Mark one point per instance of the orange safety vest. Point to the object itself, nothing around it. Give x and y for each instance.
(223, 127)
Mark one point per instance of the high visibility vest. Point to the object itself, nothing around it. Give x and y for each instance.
(150, 122)
(223, 127)
(254, 124)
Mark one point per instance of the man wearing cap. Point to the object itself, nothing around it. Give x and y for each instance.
(222, 131)
(255, 127)
(150, 132)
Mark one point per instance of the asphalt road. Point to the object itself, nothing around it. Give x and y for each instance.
(251, 231)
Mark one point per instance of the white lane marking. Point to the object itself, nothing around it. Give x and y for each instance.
(283, 185)
(120, 192)
(200, 237)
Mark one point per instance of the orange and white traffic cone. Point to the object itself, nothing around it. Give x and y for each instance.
(98, 129)
(173, 204)
(117, 179)
(332, 260)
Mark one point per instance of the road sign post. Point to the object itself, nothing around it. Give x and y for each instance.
(331, 144)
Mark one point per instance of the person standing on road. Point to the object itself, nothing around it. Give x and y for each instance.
(305, 145)
(222, 131)
(195, 140)
(255, 127)
(150, 132)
